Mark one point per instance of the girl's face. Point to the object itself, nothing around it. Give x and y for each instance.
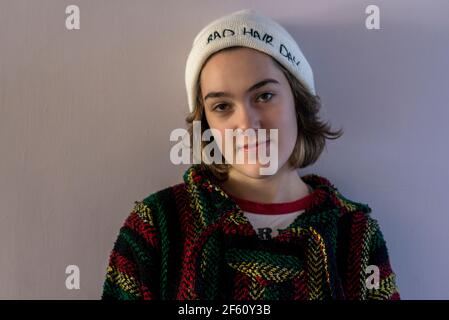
(253, 94)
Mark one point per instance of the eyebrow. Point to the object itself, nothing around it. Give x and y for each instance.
(252, 88)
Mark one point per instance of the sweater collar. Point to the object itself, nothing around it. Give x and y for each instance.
(199, 175)
(216, 215)
(213, 201)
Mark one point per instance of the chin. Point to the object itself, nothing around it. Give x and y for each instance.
(253, 170)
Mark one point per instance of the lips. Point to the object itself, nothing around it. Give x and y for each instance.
(251, 146)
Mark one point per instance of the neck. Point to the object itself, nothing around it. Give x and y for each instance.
(284, 186)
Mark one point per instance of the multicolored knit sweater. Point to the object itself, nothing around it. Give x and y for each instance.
(192, 241)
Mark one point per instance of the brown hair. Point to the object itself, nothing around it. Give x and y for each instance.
(312, 132)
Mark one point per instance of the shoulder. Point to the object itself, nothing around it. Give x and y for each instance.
(326, 190)
(150, 214)
(356, 220)
(160, 200)
(164, 196)
(355, 214)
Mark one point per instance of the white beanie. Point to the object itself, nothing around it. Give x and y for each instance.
(246, 28)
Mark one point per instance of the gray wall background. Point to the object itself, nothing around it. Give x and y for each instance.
(85, 118)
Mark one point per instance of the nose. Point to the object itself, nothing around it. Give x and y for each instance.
(248, 117)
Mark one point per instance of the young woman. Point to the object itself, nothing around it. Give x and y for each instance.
(229, 232)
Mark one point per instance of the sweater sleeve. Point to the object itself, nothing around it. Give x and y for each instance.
(132, 271)
(379, 261)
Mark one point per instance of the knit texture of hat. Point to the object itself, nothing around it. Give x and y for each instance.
(247, 28)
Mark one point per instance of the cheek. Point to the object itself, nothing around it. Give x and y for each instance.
(284, 119)
(290, 128)
(292, 125)
(288, 131)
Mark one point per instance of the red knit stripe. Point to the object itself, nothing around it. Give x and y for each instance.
(241, 287)
(122, 264)
(274, 208)
(230, 227)
(188, 229)
(358, 230)
(146, 293)
(300, 285)
(385, 271)
(135, 223)
(129, 268)
(396, 296)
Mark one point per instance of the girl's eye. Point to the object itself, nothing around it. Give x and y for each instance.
(271, 95)
(218, 107)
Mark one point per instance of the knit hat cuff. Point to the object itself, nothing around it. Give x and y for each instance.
(246, 28)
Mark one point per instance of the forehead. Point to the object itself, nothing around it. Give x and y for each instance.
(237, 66)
